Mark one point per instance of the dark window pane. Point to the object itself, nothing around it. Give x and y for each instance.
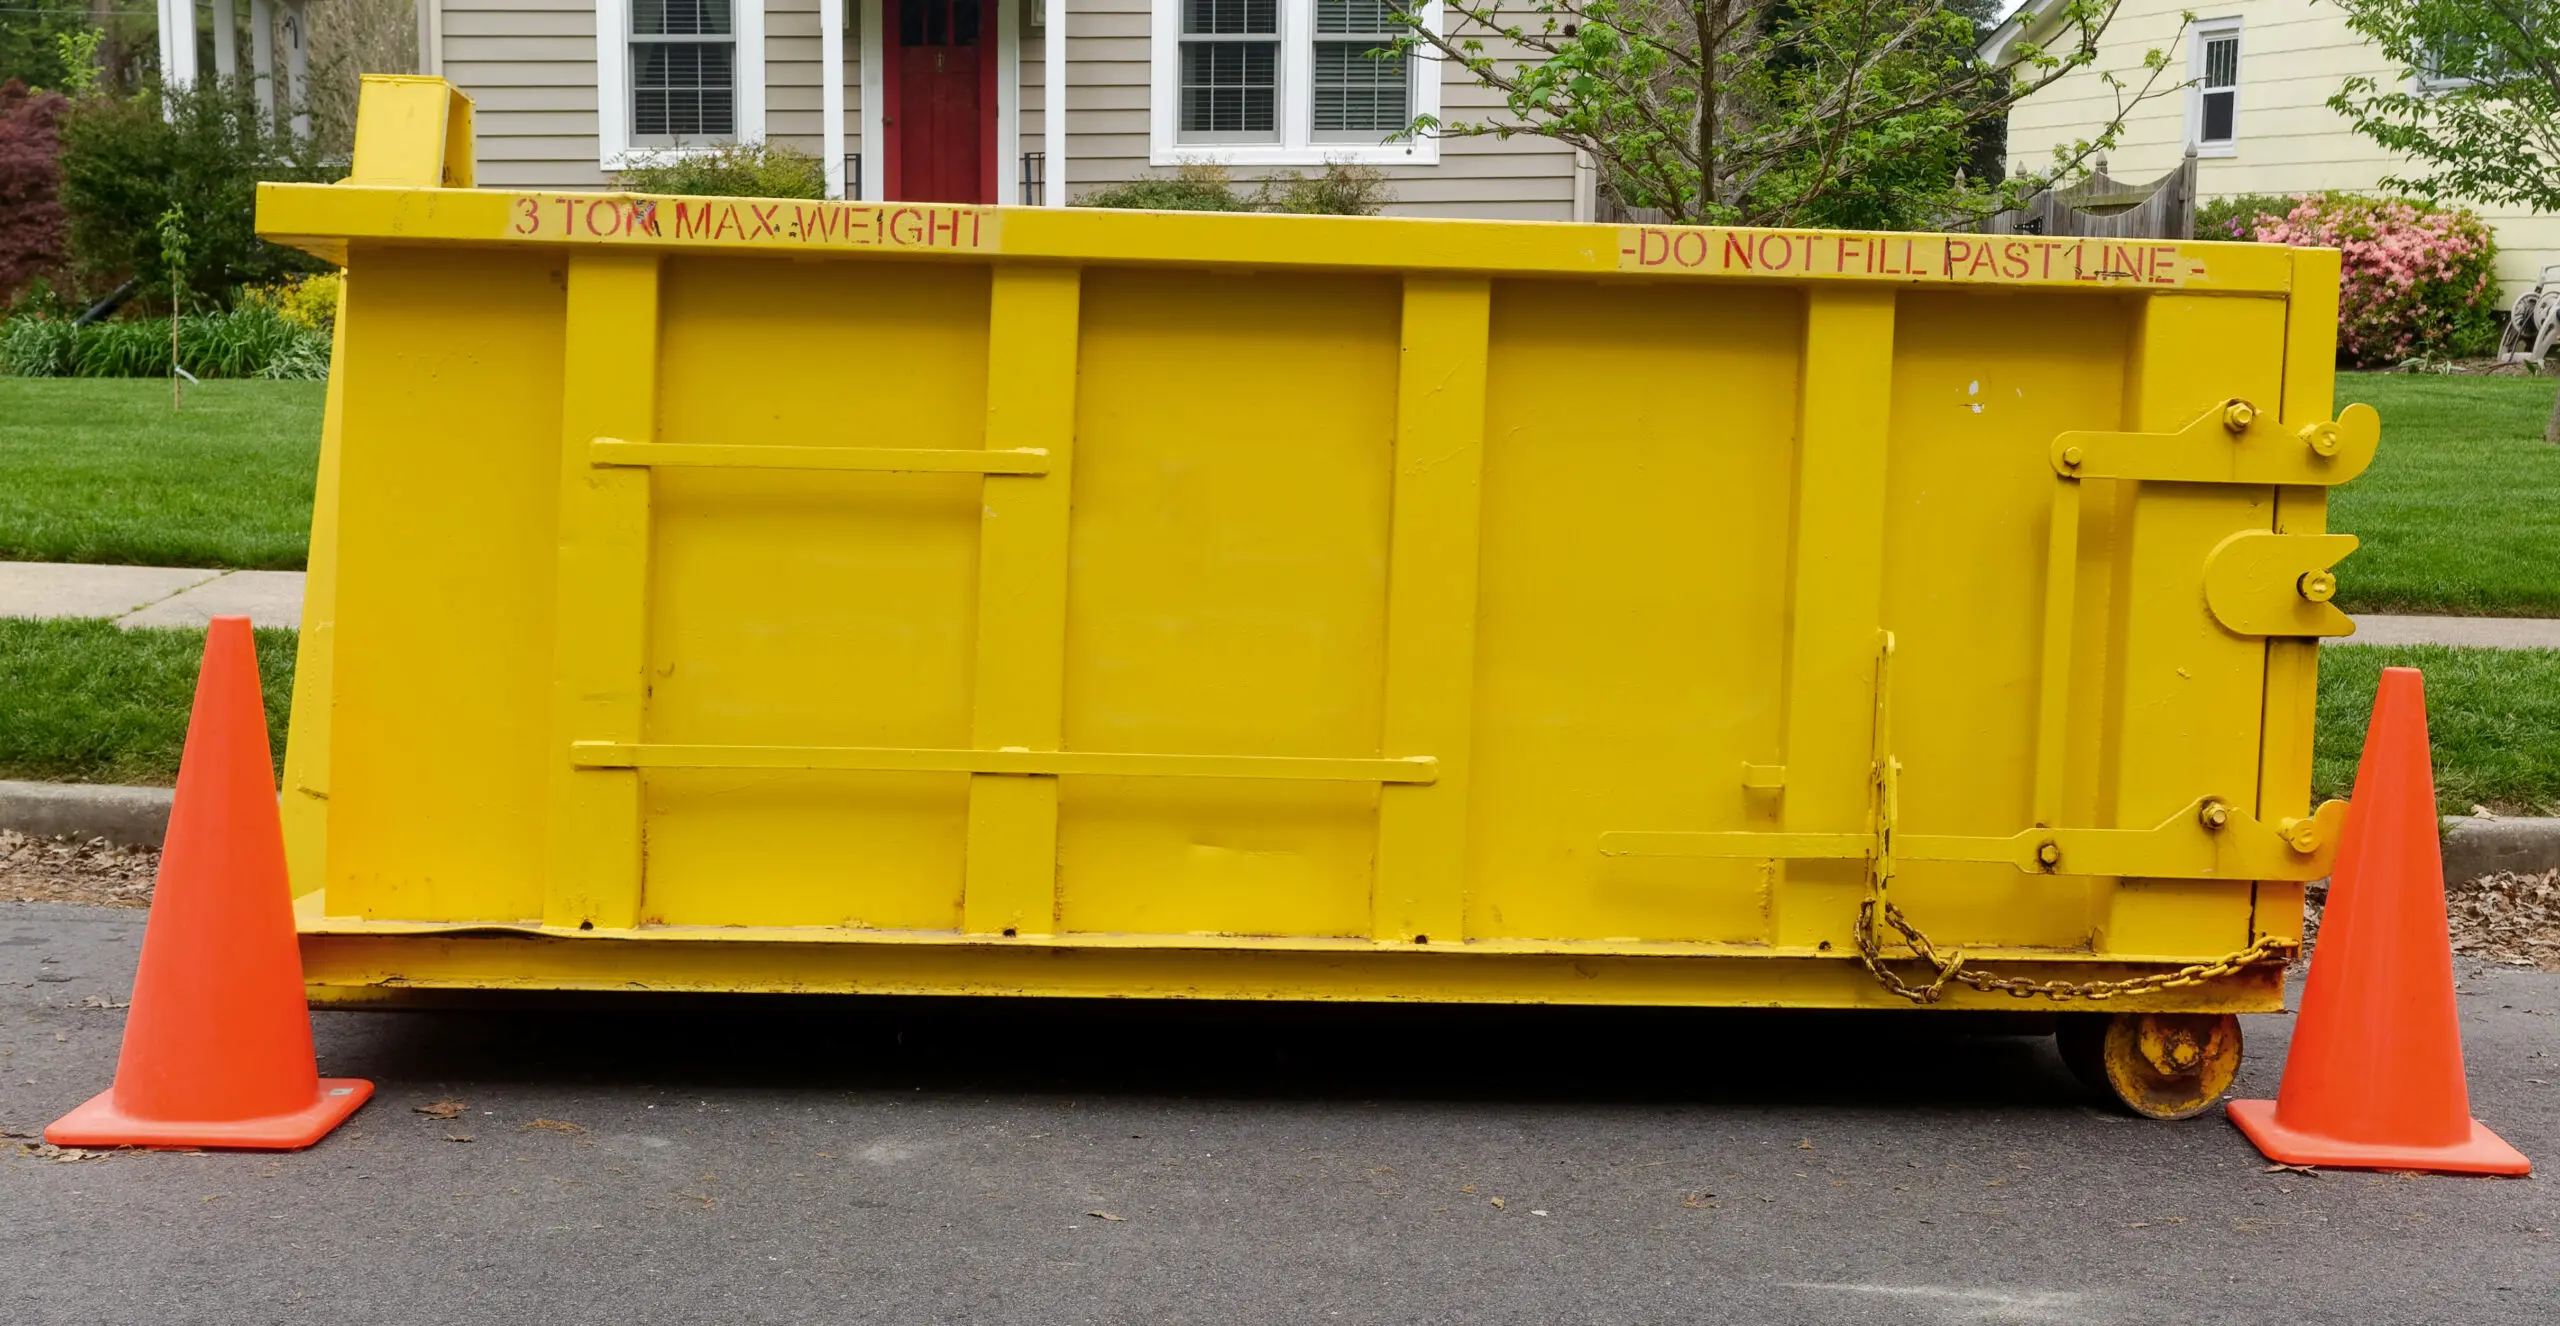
(1360, 87)
(1229, 87)
(2222, 62)
(2218, 114)
(1226, 18)
(1356, 16)
(680, 18)
(683, 89)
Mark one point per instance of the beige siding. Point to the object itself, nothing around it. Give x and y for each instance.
(531, 69)
(2293, 58)
(793, 82)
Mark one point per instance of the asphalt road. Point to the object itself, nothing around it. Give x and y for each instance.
(927, 1161)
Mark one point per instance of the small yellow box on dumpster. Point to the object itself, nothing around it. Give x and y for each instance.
(741, 594)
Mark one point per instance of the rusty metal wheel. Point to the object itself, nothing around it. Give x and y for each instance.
(2158, 1065)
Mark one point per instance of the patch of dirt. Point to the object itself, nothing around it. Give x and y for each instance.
(2505, 917)
(70, 870)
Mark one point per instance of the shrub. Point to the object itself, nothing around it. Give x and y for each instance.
(31, 238)
(2237, 216)
(729, 170)
(125, 165)
(1342, 190)
(305, 301)
(1198, 186)
(2418, 281)
(246, 342)
(33, 46)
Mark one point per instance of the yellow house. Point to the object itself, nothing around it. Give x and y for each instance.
(2247, 86)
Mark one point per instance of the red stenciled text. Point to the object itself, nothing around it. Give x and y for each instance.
(1911, 257)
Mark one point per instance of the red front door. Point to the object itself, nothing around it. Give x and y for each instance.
(941, 85)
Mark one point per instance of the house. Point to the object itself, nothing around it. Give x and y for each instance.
(2251, 81)
(951, 100)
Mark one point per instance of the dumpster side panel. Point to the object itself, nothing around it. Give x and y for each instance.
(1981, 385)
(439, 756)
(1632, 622)
(1227, 577)
(796, 607)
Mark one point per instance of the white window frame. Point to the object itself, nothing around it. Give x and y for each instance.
(2201, 35)
(614, 150)
(1298, 145)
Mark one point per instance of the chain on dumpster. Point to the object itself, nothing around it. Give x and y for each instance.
(2269, 948)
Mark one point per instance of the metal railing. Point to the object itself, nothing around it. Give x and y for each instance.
(1035, 179)
(853, 176)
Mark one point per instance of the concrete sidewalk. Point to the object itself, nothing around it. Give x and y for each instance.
(149, 595)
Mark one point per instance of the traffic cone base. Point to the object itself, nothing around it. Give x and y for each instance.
(100, 1124)
(2484, 1152)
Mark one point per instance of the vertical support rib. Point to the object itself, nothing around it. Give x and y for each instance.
(2053, 687)
(600, 607)
(1431, 607)
(306, 752)
(2293, 666)
(1022, 600)
(1845, 409)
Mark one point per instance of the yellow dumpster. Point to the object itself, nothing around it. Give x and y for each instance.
(741, 594)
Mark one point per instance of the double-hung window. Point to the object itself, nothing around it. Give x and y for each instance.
(1289, 82)
(2214, 114)
(677, 76)
(684, 71)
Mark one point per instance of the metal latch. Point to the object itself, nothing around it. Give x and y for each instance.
(2260, 583)
(2231, 443)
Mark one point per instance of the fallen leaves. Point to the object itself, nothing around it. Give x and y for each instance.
(457, 1137)
(1805, 1145)
(2279, 1167)
(1495, 1203)
(442, 1109)
(60, 1155)
(1699, 1201)
(1105, 1215)
(558, 1126)
(104, 1001)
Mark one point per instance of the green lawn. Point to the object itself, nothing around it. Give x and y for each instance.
(83, 701)
(2460, 513)
(101, 470)
(2493, 716)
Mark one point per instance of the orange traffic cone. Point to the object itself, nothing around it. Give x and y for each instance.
(2374, 1079)
(217, 1050)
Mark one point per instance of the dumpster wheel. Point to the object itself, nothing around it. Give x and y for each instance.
(2158, 1065)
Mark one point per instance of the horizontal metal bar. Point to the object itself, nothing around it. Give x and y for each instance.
(900, 759)
(2183, 846)
(1764, 846)
(906, 460)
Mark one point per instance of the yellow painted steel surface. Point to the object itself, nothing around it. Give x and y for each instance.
(749, 594)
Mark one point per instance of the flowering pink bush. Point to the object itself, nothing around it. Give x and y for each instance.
(2417, 281)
